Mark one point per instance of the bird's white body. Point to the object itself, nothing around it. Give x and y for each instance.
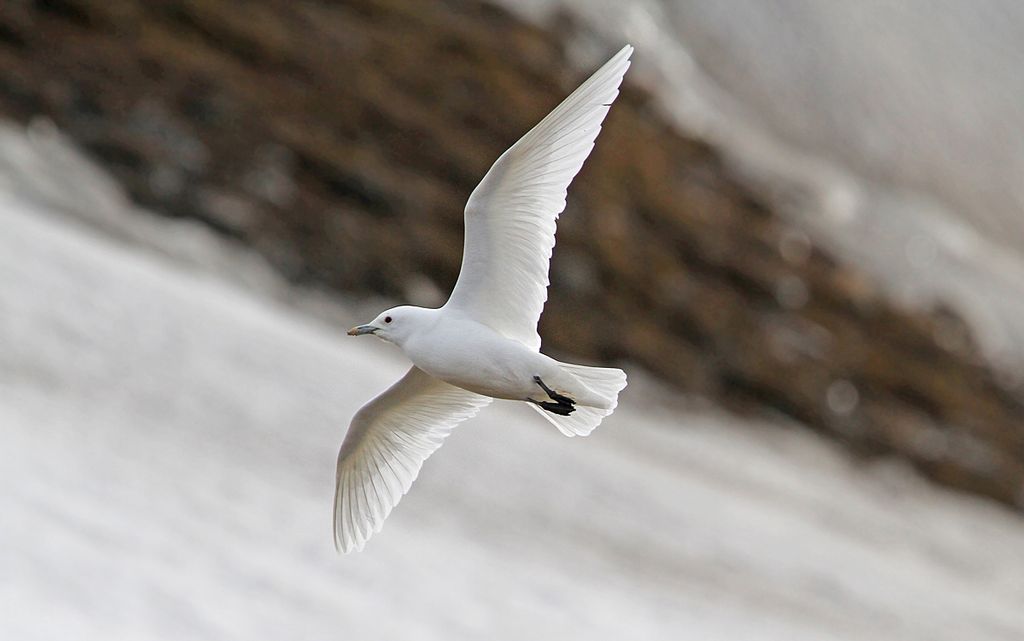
(476, 358)
(483, 343)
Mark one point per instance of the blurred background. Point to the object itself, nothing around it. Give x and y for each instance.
(800, 232)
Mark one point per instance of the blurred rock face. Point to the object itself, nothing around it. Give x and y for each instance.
(341, 142)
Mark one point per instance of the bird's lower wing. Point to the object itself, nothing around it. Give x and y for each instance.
(510, 216)
(386, 444)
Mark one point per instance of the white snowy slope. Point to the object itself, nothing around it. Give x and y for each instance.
(167, 449)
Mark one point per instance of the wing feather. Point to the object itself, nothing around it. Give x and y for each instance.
(510, 216)
(386, 444)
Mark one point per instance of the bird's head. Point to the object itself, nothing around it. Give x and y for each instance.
(394, 325)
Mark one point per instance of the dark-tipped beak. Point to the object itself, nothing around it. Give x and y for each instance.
(362, 329)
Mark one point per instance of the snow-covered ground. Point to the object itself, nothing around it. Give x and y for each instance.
(167, 443)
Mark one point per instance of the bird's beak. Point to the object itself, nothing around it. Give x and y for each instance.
(362, 329)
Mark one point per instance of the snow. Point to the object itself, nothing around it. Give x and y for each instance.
(167, 445)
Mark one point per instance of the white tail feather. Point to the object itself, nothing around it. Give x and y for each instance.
(604, 382)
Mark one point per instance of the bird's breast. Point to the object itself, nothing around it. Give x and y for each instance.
(479, 361)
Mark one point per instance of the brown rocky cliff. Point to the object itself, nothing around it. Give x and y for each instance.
(341, 141)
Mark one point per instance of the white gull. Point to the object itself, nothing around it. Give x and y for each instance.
(483, 343)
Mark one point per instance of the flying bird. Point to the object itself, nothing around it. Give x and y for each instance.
(483, 343)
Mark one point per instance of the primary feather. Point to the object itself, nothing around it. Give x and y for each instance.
(386, 444)
(510, 216)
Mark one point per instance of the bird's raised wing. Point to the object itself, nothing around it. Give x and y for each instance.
(510, 216)
(386, 444)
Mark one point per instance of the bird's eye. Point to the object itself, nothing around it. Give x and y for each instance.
(387, 319)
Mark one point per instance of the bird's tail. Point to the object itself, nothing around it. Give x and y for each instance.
(597, 400)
